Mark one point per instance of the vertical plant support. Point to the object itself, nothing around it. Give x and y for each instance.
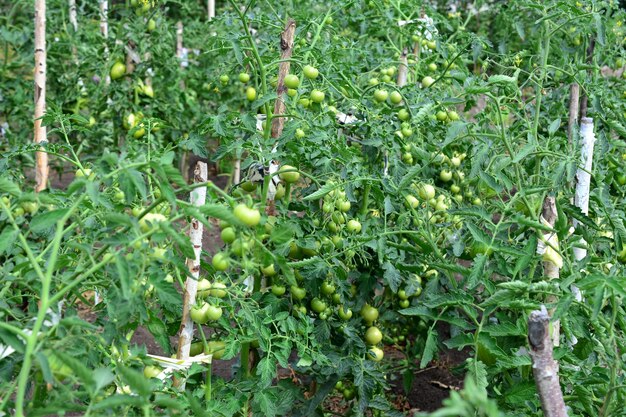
(278, 121)
(41, 157)
(104, 30)
(403, 69)
(574, 99)
(211, 9)
(197, 198)
(549, 248)
(583, 177)
(73, 20)
(545, 368)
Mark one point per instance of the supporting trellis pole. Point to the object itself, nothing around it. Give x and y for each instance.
(583, 177)
(197, 198)
(403, 69)
(278, 123)
(211, 9)
(104, 31)
(552, 260)
(73, 20)
(41, 157)
(545, 368)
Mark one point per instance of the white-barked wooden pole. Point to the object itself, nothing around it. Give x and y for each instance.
(41, 157)
(197, 199)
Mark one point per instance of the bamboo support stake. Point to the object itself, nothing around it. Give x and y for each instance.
(41, 157)
(545, 368)
(583, 102)
(197, 198)
(278, 123)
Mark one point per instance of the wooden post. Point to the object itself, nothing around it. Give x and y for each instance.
(583, 176)
(41, 157)
(574, 104)
(197, 198)
(211, 8)
(278, 123)
(403, 69)
(545, 368)
(552, 261)
(73, 20)
(104, 31)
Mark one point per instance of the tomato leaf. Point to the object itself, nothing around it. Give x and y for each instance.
(8, 186)
(392, 276)
(267, 370)
(135, 380)
(7, 238)
(46, 220)
(430, 348)
(182, 241)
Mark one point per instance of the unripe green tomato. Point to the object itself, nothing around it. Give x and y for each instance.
(445, 175)
(292, 81)
(380, 95)
(344, 313)
(228, 235)
(251, 93)
(432, 67)
(373, 81)
(404, 303)
(310, 72)
(297, 293)
(220, 261)
(269, 270)
(354, 226)
(278, 290)
(386, 78)
(427, 81)
(224, 79)
(442, 116)
(244, 77)
(299, 133)
(292, 92)
(117, 70)
(373, 336)
(403, 114)
(318, 305)
(288, 174)
(395, 97)
(376, 354)
(327, 288)
(317, 96)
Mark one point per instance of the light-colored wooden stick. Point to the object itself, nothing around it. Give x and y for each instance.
(574, 104)
(583, 175)
(403, 69)
(211, 9)
(41, 157)
(73, 20)
(197, 198)
(545, 368)
(551, 266)
(104, 31)
(286, 46)
(278, 123)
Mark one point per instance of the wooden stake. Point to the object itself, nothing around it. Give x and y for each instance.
(403, 69)
(73, 20)
(574, 99)
(286, 46)
(211, 9)
(583, 103)
(545, 368)
(197, 198)
(278, 123)
(41, 157)
(583, 176)
(550, 267)
(104, 31)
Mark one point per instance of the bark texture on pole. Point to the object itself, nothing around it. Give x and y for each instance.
(41, 157)
(545, 368)
(197, 198)
(73, 20)
(403, 69)
(574, 102)
(552, 261)
(584, 101)
(583, 176)
(211, 9)
(278, 123)
(104, 30)
(286, 46)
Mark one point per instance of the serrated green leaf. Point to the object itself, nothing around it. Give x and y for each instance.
(430, 348)
(8, 186)
(392, 276)
(7, 238)
(136, 381)
(46, 220)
